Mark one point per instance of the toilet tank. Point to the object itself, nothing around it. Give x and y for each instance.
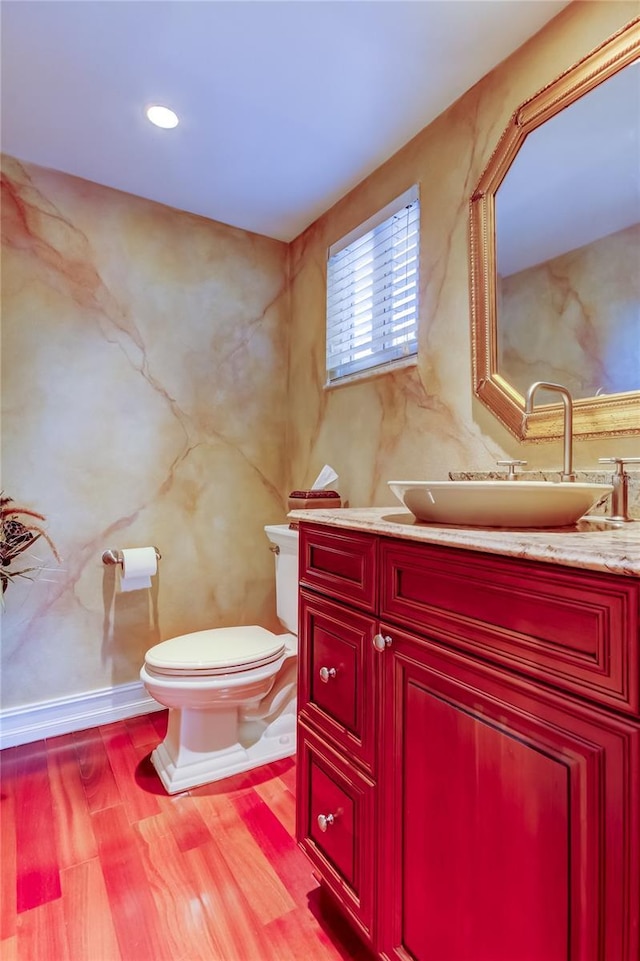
(286, 558)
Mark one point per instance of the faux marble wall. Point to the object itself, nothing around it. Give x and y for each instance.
(163, 384)
(425, 421)
(144, 390)
(575, 319)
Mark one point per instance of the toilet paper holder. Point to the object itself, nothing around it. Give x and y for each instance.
(111, 556)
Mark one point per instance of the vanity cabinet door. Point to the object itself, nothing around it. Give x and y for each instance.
(338, 680)
(335, 827)
(509, 816)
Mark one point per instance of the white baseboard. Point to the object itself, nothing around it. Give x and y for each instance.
(21, 725)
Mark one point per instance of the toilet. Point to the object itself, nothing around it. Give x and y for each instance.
(231, 691)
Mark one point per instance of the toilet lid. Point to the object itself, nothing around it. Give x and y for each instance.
(223, 650)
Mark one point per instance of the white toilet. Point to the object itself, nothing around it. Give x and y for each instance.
(231, 691)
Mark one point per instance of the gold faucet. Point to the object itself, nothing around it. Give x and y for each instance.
(567, 467)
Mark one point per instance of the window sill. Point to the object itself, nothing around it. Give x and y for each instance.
(373, 372)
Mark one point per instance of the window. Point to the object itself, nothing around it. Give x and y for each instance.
(372, 292)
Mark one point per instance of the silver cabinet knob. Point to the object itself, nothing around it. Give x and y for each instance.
(326, 673)
(381, 642)
(325, 821)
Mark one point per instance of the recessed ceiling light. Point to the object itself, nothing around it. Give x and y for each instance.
(162, 116)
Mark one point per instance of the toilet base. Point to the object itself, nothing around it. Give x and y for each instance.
(180, 768)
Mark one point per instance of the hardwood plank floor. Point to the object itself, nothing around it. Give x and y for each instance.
(100, 864)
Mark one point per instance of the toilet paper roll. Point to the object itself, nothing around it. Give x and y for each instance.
(139, 564)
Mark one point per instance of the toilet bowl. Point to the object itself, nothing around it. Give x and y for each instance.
(231, 691)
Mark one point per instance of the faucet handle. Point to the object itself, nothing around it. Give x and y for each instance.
(619, 462)
(511, 465)
(620, 481)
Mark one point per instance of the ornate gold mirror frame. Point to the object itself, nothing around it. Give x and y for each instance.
(611, 414)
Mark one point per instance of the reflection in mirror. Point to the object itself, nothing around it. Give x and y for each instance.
(568, 247)
(555, 251)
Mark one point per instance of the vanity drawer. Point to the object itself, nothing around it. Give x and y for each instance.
(339, 675)
(339, 563)
(335, 825)
(575, 629)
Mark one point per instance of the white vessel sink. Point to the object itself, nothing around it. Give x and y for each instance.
(499, 503)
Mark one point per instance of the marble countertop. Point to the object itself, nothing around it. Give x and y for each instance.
(590, 544)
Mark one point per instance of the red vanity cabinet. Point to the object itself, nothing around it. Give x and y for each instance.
(502, 811)
(338, 699)
(508, 815)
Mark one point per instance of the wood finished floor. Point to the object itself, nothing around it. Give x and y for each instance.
(98, 863)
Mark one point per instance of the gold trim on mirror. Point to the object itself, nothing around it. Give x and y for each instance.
(610, 414)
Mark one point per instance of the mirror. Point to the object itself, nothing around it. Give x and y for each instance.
(555, 251)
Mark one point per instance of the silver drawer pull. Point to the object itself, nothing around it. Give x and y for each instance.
(325, 821)
(326, 673)
(381, 642)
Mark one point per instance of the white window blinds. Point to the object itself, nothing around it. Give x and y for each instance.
(372, 291)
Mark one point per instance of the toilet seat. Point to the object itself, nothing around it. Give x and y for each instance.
(222, 650)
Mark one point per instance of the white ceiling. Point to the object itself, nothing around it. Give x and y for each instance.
(285, 105)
